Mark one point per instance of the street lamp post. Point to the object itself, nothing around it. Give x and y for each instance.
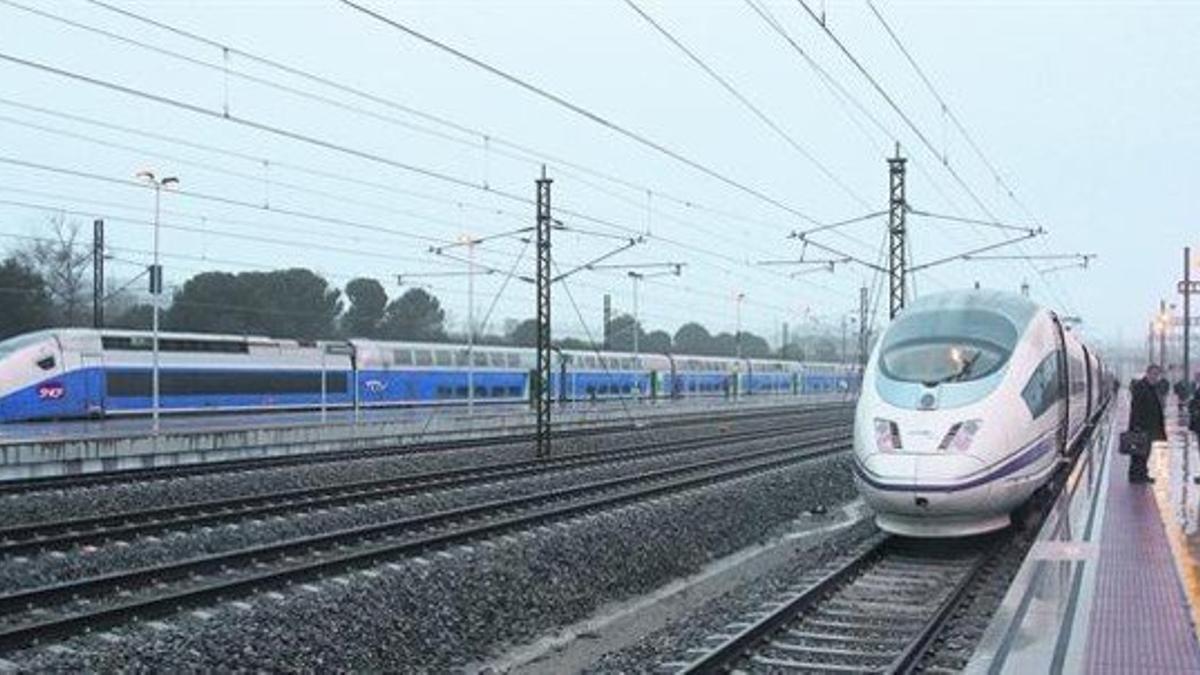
(636, 278)
(737, 336)
(156, 285)
(470, 243)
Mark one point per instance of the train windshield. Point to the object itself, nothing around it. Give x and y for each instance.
(946, 346)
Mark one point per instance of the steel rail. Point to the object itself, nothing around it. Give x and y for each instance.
(826, 592)
(60, 534)
(318, 565)
(387, 448)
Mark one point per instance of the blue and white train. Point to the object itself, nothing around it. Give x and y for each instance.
(81, 373)
(970, 402)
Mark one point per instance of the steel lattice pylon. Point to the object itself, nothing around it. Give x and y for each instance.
(541, 384)
(897, 236)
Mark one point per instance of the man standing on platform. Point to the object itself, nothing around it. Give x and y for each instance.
(1146, 416)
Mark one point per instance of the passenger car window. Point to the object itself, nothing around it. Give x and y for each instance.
(1043, 388)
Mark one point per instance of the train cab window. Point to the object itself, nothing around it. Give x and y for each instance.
(443, 357)
(46, 363)
(936, 347)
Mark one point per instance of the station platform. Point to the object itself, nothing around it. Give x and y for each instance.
(1111, 584)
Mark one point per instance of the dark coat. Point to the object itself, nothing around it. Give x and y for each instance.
(1193, 409)
(1145, 411)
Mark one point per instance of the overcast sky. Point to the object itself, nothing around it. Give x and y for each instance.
(1086, 110)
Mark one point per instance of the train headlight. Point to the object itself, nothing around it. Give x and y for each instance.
(960, 435)
(887, 435)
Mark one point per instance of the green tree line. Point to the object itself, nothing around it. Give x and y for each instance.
(48, 284)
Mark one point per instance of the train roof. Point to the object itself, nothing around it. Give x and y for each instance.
(1016, 308)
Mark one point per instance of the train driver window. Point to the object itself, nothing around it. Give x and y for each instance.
(936, 347)
(1043, 388)
(46, 363)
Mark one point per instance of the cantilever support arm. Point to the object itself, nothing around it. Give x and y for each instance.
(629, 243)
(1029, 234)
(841, 254)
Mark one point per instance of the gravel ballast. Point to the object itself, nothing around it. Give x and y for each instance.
(63, 503)
(455, 607)
(54, 567)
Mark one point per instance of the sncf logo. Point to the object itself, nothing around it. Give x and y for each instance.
(51, 391)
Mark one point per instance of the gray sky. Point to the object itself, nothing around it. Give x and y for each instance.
(1086, 109)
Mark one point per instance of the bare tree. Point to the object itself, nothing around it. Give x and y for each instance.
(64, 263)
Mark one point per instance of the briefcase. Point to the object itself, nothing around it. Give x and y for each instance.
(1136, 443)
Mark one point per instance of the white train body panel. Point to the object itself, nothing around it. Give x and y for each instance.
(940, 455)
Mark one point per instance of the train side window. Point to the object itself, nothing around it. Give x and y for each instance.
(480, 358)
(403, 357)
(498, 360)
(1042, 391)
(514, 360)
(443, 357)
(423, 357)
(46, 363)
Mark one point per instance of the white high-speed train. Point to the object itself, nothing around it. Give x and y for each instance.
(968, 404)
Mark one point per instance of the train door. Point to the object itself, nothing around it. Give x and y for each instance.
(1064, 386)
(1087, 369)
(92, 368)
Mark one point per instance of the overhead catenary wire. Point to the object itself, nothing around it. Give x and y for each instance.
(260, 126)
(729, 258)
(358, 92)
(489, 139)
(581, 111)
(747, 103)
(356, 252)
(971, 142)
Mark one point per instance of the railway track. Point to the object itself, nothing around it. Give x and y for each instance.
(876, 611)
(62, 534)
(37, 615)
(385, 448)
(879, 610)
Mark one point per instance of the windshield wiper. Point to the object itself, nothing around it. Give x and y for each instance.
(962, 372)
